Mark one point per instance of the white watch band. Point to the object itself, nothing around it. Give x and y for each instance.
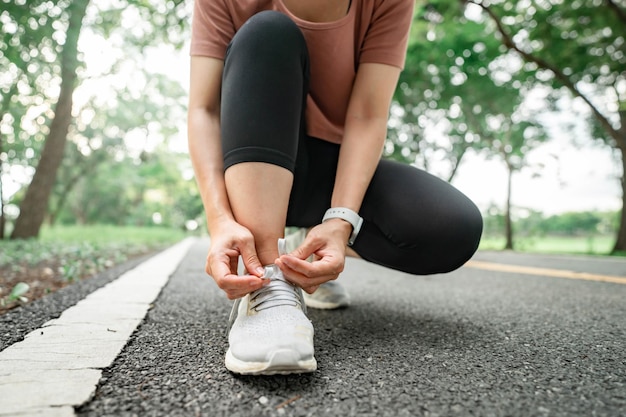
(348, 215)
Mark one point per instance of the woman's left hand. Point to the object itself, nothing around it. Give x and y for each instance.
(327, 243)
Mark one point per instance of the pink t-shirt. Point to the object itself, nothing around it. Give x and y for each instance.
(373, 31)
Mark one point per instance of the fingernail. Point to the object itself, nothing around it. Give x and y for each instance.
(260, 271)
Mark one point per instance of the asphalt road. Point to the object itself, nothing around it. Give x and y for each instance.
(473, 342)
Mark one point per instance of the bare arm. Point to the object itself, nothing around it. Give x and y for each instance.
(204, 137)
(361, 148)
(228, 238)
(365, 133)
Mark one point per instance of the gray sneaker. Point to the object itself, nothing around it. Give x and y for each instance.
(270, 331)
(329, 296)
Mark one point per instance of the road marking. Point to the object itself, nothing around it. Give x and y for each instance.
(58, 366)
(558, 273)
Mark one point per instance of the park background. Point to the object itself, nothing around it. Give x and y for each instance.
(519, 104)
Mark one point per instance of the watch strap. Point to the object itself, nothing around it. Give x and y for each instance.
(348, 215)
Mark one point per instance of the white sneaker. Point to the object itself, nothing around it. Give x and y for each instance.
(329, 296)
(270, 331)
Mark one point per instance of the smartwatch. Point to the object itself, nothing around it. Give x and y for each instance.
(348, 215)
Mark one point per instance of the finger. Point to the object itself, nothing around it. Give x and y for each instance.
(307, 283)
(304, 281)
(321, 267)
(228, 280)
(305, 250)
(221, 263)
(311, 290)
(295, 264)
(218, 269)
(251, 260)
(237, 286)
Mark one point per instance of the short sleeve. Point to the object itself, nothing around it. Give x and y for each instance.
(212, 28)
(387, 36)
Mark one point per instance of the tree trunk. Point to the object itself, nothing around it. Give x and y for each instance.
(620, 243)
(6, 101)
(457, 163)
(35, 204)
(68, 186)
(508, 224)
(2, 218)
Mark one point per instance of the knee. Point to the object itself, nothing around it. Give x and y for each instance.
(270, 20)
(468, 234)
(454, 243)
(474, 229)
(270, 32)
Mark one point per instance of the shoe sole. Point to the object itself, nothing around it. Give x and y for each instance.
(281, 362)
(322, 305)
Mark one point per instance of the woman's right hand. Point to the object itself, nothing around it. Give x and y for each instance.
(229, 241)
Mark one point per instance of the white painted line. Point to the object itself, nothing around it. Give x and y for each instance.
(58, 366)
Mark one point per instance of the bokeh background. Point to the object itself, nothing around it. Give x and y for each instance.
(520, 104)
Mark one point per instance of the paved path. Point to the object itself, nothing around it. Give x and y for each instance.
(481, 341)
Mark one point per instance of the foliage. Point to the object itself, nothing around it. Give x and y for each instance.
(487, 75)
(144, 191)
(107, 234)
(82, 251)
(595, 244)
(573, 232)
(577, 49)
(142, 102)
(63, 255)
(16, 294)
(28, 44)
(461, 91)
(456, 93)
(572, 223)
(569, 223)
(480, 75)
(578, 46)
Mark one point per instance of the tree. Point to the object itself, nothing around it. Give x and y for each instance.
(576, 46)
(162, 21)
(463, 49)
(459, 92)
(138, 191)
(34, 206)
(26, 47)
(573, 223)
(129, 124)
(512, 142)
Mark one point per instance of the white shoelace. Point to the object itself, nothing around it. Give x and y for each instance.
(277, 293)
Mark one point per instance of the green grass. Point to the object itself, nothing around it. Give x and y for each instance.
(77, 251)
(584, 245)
(105, 234)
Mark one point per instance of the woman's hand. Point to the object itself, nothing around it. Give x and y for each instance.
(327, 242)
(228, 242)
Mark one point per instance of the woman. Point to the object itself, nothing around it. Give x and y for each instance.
(288, 111)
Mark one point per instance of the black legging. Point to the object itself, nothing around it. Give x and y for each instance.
(413, 221)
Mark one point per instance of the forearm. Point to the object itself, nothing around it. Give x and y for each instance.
(206, 156)
(360, 153)
(365, 133)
